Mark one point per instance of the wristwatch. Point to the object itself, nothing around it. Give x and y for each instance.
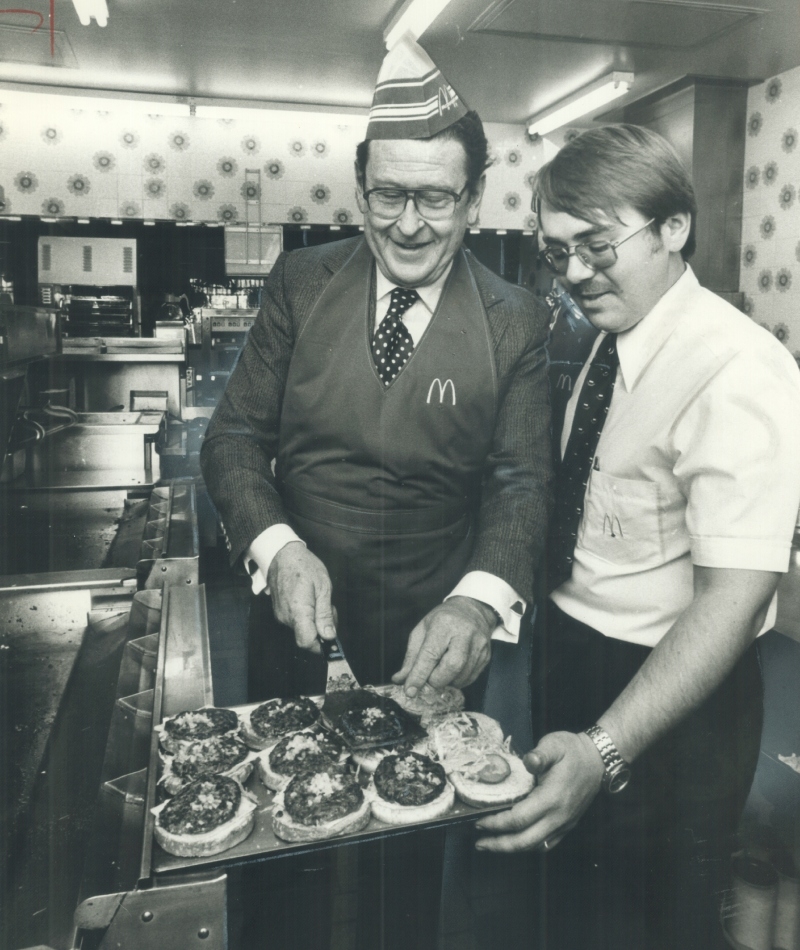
(617, 772)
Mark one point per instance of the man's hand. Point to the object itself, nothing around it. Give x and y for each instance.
(301, 595)
(448, 647)
(569, 773)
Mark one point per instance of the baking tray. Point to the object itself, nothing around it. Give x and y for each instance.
(262, 842)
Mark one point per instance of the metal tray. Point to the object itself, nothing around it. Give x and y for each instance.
(262, 842)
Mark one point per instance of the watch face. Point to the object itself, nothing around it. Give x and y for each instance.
(619, 780)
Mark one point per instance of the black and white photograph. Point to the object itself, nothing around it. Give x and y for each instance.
(400, 475)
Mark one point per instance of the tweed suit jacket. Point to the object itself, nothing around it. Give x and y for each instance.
(242, 437)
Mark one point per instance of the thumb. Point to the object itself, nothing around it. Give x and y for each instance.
(543, 757)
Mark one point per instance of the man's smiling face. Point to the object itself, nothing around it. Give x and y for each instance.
(618, 297)
(411, 251)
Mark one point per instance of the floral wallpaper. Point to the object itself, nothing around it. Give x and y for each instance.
(770, 271)
(58, 160)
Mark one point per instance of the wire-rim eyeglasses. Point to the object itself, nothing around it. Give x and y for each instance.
(599, 255)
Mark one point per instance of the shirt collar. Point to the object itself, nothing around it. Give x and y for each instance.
(429, 294)
(637, 346)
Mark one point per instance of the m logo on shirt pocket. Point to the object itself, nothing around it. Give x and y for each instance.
(622, 521)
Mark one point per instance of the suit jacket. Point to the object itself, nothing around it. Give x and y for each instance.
(242, 437)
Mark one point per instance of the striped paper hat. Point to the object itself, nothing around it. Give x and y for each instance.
(412, 98)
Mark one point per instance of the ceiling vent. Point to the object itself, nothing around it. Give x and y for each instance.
(47, 256)
(87, 258)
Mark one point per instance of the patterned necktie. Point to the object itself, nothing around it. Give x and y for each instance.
(392, 343)
(573, 475)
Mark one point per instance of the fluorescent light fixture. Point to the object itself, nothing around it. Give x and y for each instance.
(414, 17)
(501, 231)
(116, 221)
(149, 224)
(83, 221)
(335, 227)
(474, 230)
(88, 10)
(580, 103)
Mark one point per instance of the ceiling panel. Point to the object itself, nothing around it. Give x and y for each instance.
(640, 23)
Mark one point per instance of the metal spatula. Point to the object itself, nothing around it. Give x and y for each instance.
(340, 677)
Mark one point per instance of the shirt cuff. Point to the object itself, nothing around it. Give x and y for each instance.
(497, 594)
(258, 557)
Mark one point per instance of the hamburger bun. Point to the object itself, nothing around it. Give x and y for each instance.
(220, 838)
(276, 718)
(197, 725)
(407, 788)
(473, 789)
(317, 787)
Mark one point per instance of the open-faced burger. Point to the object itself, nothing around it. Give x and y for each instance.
(319, 804)
(409, 787)
(210, 815)
(313, 749)
(429, 704)
(272, 720)
(219, 755)
(197, 725)
(478, 761)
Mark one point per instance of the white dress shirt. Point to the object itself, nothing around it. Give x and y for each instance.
(698, 463)
(480, 585)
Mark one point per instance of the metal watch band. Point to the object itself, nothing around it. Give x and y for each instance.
(617, 771)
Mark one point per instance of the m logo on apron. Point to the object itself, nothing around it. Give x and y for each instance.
(448, 383)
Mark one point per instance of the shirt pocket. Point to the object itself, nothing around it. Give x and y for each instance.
(623, 521)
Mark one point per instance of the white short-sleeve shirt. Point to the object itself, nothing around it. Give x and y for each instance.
(698, 463)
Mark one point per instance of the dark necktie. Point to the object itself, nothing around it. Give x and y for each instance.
(392, 343)
(573, 475)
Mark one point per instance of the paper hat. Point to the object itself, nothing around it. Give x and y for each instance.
(412, 98)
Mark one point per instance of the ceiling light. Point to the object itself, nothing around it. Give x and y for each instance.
(581, 103)
(414, 17)
(91, 9)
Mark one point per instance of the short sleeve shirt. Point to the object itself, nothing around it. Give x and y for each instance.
(698, 463)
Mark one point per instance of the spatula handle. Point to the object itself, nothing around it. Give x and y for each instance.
(331, 649)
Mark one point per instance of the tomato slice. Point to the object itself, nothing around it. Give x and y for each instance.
(494, 771)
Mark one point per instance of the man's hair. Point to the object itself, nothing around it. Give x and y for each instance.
(468, 131)
(605, 169)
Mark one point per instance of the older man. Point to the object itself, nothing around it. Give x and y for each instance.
(677, 495)
(399, 387)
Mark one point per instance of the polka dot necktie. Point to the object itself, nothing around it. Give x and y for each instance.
(392, 344)
(573, 475)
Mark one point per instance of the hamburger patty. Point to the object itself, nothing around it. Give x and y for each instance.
(207, 803)
(217, 754)
(202, 723)
(409, 779)
(317, 797)
(279, 716)
(376, 723)
(301, 751)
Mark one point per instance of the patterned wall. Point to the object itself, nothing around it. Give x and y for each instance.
(56, 160)
(770, 272)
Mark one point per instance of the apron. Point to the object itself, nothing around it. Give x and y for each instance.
(383, 482)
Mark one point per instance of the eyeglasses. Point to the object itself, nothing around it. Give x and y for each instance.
(433, 204)
(599, 255)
